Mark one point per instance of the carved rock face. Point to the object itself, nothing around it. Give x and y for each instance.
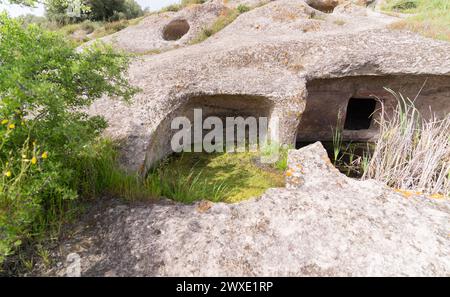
(286, 60)
(306, 64)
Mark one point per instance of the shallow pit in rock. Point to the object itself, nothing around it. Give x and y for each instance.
(175, 30)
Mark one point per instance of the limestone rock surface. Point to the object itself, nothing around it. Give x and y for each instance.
(273, 51)
(322, 224)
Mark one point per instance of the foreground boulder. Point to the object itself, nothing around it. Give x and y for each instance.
(322, 224)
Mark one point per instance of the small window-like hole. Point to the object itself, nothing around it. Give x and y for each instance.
(359, 113)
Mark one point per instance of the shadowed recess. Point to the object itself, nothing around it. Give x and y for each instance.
(175, 30)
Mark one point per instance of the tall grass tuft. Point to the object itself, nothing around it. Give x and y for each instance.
(411, 153)
(337, 138)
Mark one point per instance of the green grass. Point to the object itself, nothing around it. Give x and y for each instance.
(430, 18)
(242, 8)
(96, 29)
(181, 5)
(186, 177)
(98, 173)
(226, 18)
(225, 177)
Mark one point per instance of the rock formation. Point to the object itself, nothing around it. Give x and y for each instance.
(322, 224)
(284, 55)
(302, 64)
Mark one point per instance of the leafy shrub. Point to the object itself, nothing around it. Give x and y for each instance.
(95, 10)
(32, 19)
(185, 3)
(88, 26)
(401, 5)
(44, 85)
(243, 8)
(131, 9)
(117, 16)
(115, 26)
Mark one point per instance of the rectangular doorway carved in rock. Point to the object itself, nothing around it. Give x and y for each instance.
(359, 113)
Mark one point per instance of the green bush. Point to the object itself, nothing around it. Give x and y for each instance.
(243, 8)
(44, 83)
(94, 10)
(115, 26)
(113, 10)
(401, 5)
(88, 26)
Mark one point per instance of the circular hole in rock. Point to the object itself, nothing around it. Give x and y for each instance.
(175, 30)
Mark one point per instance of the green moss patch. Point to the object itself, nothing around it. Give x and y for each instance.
(227, 177)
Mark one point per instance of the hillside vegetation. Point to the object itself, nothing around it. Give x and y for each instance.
(430, 18)
(44, 83)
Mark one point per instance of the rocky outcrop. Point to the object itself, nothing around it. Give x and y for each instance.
(284, 60)
(162, 31)
(273, 52)
(322, 224)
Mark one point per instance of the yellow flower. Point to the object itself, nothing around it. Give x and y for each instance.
(437, 196)
(7, 173)
(11, 126)
(5, 121)
(44, 155)
(33, 160)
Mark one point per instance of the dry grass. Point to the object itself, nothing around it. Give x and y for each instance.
(112, 27)
(412, 153)
(425, 28)
(430, 18)
(284, 14)
(339, 22)
(226, 17)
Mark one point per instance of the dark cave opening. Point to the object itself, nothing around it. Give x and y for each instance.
(359, 113)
